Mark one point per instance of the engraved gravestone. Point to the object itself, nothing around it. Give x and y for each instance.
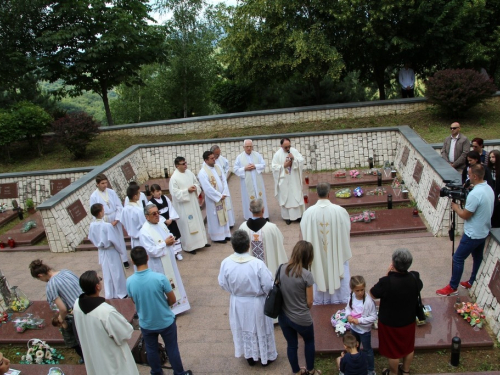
(128, 171)
(417, 172)
(76, 211)
(434, 194)
(494, 284)
(57, 185)
(8, 190)
(404, 157)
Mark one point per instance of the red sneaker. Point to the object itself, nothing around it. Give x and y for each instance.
(447, 291)
(465, 284)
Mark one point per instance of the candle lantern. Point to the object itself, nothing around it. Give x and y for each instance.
(20, 213)
(389, 201)
(456, 343)
(148, 192)
(379, 178)
(11, 242)
(415, 212)
(370, 162)
(2, 246)
(165, 171)
(306, 199)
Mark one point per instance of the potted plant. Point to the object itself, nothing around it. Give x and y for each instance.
(30, 206)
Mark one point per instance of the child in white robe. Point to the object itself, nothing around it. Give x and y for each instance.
(103, 236)
(133, 215)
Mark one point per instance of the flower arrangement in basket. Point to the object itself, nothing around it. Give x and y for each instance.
(41, 353)
(473, 314)
(28, 321)
(339, 322)
(354, 173)
(377, 191)
(18, 302)
(339, 174)
(343, 193)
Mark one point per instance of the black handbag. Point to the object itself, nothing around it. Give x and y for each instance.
(419, 308)
(274, 299)
(141, 357)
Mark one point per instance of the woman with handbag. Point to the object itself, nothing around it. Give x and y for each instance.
(399, 293)
(296, 283)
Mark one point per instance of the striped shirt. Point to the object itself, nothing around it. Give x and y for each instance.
(64, 285)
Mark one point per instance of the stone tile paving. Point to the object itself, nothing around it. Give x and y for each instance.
(204, 334)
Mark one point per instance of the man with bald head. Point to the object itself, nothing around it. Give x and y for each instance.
(455, 148)
(249, 166)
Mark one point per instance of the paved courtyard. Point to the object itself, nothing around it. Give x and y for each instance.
(205, 338)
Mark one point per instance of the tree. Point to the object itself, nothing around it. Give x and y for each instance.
(98, 44)
(9, 131)
(75, 131)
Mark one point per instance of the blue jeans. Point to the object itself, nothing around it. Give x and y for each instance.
(365, 339)
(467, 247)
(290, 330)
(169, 336)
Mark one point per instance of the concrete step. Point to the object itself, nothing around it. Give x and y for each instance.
(24, 248)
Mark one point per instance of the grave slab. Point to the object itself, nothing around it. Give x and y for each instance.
(7, 217)
(364, 179)
(50, 334)
(29, 238)
(365, 200)
(436, 334)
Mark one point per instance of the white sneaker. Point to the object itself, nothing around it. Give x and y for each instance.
(179, 256)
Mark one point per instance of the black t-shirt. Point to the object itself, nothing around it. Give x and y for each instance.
(398, 294)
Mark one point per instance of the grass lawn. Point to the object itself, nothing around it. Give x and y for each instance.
(482, 121)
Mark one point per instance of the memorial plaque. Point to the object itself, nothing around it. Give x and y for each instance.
(404, 157)
(9, 190)
(76, 211)
(128, 171)
(494, 284)
(434, 194)
(57, 185)
(417, 172)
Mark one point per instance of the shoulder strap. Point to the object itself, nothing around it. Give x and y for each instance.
(277, 277)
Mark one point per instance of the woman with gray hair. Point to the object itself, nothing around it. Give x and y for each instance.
(249, 281)
(398, 293)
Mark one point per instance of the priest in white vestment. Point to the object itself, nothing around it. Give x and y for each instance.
(185, 189)
(157, 240)
(214, 185)
(249, 166)
(222, 162)
(287, 168)
(103, 236)
(112, 211)
(103, 331)
(327, 226)
(248, 280)
(266, 240)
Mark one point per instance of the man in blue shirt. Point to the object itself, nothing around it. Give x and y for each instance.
(153, 295)
(477, 224)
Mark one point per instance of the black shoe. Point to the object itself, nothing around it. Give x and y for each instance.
(288, 222)
(298, 220)
(126, 265)
(223, 241)
(191, 252)
(228, 238)
(231, 227)
(251, 361)
(125, 296)
(268, 363)
(207, 245)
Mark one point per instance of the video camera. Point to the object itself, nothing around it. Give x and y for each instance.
(454, 191)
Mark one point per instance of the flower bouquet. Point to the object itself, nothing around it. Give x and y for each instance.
(3, 207)
(18, 302)
(365, 216)
(473, 314)
(354, 173)
(339, 322)
(396, 184)
(371, 172)
(40, 352)
(343, 193)
(358, 192)
(339, 174)
(376, 191)
(28, 322)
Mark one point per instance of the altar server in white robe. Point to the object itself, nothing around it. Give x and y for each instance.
(157, 240)
(133, 215)
(112, 212)
(266, 240)
(143, 200)
(214, 185)
(185, 189)
(248, 280)
(327, 226)
(287, 168)
(249, 166)
(222, 162)
(103, 331)
(102, 235)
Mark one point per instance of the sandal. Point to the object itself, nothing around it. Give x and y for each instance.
(400, 370)
(314, 371)
(386, 371)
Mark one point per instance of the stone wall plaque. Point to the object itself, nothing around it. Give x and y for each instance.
(417, 172)
(404, 157)
(494, 284)
(57, 185)
(128, 171)
(9, 190)
(434, 194)
(76, 211)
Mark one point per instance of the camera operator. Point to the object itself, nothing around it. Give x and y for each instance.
(477, 223)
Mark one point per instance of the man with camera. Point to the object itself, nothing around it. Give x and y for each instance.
(477, 223)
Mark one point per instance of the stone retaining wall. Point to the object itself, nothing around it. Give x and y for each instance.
(480, 290)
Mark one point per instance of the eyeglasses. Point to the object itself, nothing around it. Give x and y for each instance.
(156, 213)
(454, 128)
(182, 163)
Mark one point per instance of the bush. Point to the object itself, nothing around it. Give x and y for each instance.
(459, 90)
(75, 131)
(9, 131)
